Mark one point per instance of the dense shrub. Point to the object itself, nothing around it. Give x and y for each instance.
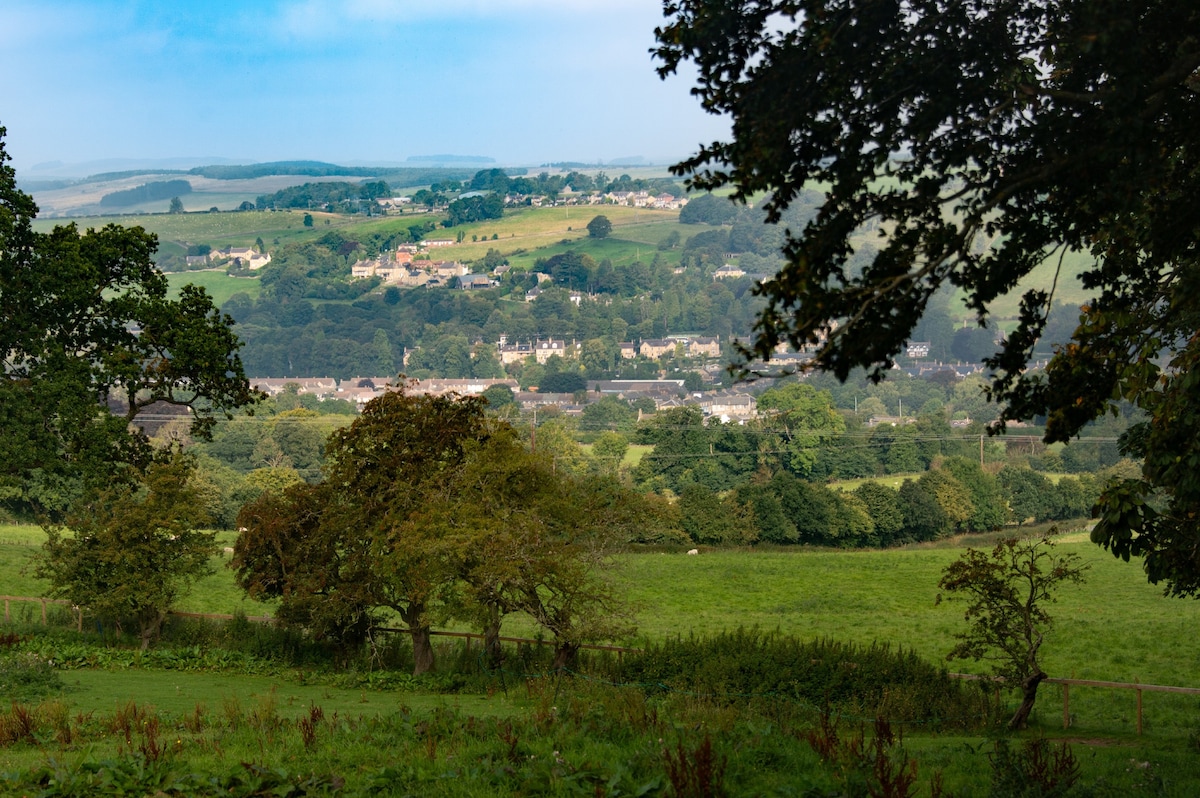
(25, 677)
(860, 681)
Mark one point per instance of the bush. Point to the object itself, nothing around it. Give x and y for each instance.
(27, 677)
(863, 681)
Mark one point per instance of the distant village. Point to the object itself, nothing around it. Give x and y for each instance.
(730, 406)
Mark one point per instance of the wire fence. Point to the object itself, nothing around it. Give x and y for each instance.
(620, 651)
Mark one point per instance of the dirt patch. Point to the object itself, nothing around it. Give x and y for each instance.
(1094, 742)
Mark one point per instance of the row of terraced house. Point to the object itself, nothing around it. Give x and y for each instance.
(727, 405)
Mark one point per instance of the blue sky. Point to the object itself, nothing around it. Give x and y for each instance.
(365, 81)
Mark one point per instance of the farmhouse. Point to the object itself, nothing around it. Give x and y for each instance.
(469, 282)
(544, 350)
(704, 347)
(654, 348)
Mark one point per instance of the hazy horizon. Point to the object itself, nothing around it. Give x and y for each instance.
(356, 82)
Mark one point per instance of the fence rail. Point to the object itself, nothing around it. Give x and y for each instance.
(1066, 686)
(622, 650)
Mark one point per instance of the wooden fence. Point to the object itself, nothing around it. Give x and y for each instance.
(1066, 686)
(621, 651)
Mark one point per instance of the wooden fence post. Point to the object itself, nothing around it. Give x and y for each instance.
(1066, 705)
(1139, 708)
(6, 616)
(43, 612)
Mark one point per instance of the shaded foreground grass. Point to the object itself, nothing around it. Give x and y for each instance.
(207, 734)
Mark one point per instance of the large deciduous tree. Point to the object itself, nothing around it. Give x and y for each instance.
(599, 227)
(979, 139)
(433, 509)
(133, 548)
(804, 419)
(89, 338)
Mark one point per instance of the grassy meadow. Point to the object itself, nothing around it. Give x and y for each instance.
(1113, 627)
(219, 285)
(433, 738)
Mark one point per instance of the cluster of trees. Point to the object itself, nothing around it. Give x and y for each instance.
(148, 192)
(476, 208)
(956, 496)
(338, 196)
(432, 509)
(765, 481)
(545, 184)
(129, 550)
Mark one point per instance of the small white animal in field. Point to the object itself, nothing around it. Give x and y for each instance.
(693, 551)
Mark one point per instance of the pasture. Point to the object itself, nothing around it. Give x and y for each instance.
(219, 285)
(1113, 627)
(431, 738)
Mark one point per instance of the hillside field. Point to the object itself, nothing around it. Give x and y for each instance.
(1114, 627)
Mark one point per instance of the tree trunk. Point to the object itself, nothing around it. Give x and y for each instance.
(150, 625)
(566, 655)
(422, 650)
(1029, 688)
(491, 638)
(414, 618)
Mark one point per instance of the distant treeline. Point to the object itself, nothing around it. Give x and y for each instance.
(322, 195)
(149, 192)
(450, 159)
(396, 176)
(128, 173)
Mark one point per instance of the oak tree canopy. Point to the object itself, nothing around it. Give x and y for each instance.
(89, 338)
(981, 138)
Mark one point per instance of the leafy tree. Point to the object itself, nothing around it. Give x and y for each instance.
(989, 510)
(308, 220)
(474, 209)
(272, 480)
(1047, 127)
(765, 510)
(686, 450)
(708, 209)
(608, 413)
(88, 340)
(433, 509)
(1029, 494)
(562, 382)
(804, 420)
(951, 496)
(499, 396)
(609, 450)
(599, 227)
(176, 205)
(1008, 591)
(924, 518)
(707, 518)
(133, 549)
(883, 506)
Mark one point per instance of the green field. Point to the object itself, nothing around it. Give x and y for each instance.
(220, 286)
(1114, 627)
